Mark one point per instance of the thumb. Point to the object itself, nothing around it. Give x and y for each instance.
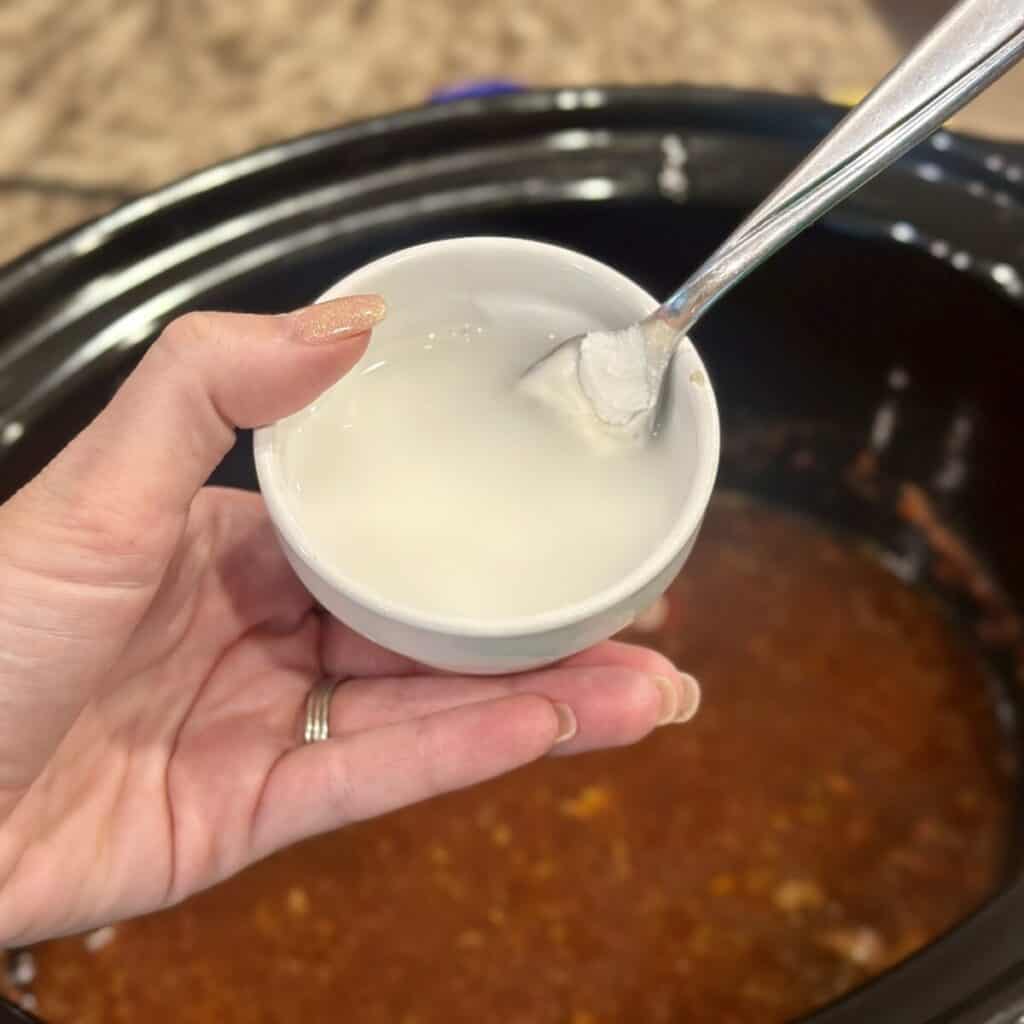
(96, 528)
(143, 459)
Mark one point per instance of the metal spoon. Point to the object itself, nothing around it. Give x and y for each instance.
(621, 373)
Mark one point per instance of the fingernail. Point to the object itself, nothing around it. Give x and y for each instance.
(339, 318)
(680, 698)
(671, 693)
(566, 723)
(689, 702)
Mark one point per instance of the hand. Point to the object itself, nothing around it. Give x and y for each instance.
(156, 652)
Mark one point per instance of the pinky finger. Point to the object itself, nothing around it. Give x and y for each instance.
(323, 786)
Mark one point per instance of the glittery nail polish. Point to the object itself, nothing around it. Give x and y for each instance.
(338, 318)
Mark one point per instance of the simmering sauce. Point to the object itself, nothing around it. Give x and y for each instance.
(839, 802)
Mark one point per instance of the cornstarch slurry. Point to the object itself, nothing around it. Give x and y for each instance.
(431, 478)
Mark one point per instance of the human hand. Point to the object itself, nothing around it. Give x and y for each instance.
(156, 652)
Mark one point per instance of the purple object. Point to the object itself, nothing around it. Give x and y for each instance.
(475, 90)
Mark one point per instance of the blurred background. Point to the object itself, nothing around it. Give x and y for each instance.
(104, 99)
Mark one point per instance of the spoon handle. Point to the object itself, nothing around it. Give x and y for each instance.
(968, 50)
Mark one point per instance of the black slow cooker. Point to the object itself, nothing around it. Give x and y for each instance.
(897, 327)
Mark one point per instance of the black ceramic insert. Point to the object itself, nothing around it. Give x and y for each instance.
(896, 327)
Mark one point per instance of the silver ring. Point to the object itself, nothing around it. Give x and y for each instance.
(318, 711)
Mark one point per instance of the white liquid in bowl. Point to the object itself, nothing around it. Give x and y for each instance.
(428, 477)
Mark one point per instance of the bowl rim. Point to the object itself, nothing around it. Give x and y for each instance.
(684, 527)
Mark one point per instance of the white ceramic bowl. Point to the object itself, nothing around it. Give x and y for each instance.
(582, 294)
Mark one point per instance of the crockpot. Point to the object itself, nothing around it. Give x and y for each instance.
(895, 329)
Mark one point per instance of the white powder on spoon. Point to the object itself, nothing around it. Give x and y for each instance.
(615, 375)
(606, 382)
